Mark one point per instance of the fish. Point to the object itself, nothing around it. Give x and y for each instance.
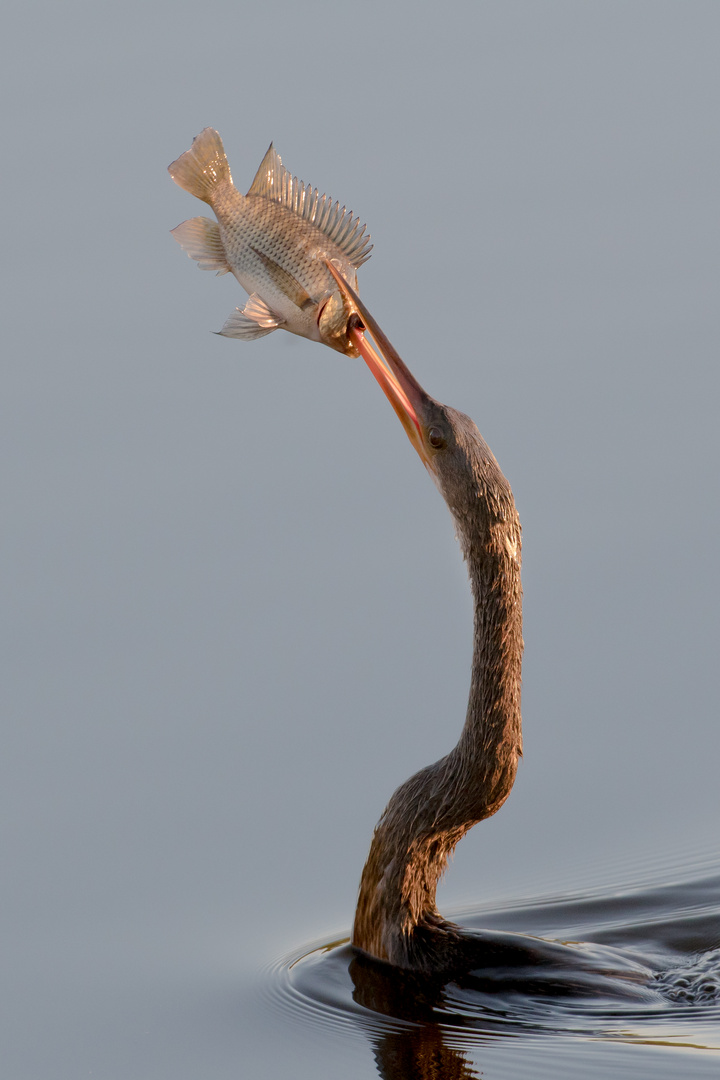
(277, 241)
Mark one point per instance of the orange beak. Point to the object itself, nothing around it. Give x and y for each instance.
(401, 388)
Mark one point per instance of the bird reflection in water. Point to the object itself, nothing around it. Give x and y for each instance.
(418, 1049)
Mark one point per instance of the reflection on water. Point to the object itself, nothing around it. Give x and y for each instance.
(650, 978)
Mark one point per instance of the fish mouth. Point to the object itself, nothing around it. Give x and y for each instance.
(332, 314)
(399, 385)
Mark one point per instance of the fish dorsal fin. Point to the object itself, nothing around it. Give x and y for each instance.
(274, 182)
(267, 176)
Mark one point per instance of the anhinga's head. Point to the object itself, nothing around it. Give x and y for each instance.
(449, 444)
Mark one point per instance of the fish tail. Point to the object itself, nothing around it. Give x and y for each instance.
(203, 169)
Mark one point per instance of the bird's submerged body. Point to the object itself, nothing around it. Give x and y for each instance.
(276, 240)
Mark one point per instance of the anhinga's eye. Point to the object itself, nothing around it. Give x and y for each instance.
(436, 438)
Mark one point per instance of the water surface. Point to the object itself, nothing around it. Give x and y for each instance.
(659, 1016)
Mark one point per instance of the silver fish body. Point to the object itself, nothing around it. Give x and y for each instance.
(276, 240)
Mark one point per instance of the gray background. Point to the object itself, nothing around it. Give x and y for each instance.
(234, 614)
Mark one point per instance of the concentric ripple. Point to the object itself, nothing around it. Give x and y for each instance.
(671, 930)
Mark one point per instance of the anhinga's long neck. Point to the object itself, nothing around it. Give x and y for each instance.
(432, 810)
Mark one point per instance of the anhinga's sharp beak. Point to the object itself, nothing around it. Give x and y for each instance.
(402, 389)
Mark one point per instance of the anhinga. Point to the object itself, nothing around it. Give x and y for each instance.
(396, 918)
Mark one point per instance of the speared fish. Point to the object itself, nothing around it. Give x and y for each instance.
(277, 241)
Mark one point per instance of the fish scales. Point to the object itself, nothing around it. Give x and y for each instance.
(298, 246)
(276, 241)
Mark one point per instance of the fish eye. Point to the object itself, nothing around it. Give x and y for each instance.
(436, 438)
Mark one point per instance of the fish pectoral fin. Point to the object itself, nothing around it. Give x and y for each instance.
(254, 321)
(200, 238)
(284, 280)
(256, 309)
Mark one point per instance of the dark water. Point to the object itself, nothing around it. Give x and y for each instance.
(648, 1003)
